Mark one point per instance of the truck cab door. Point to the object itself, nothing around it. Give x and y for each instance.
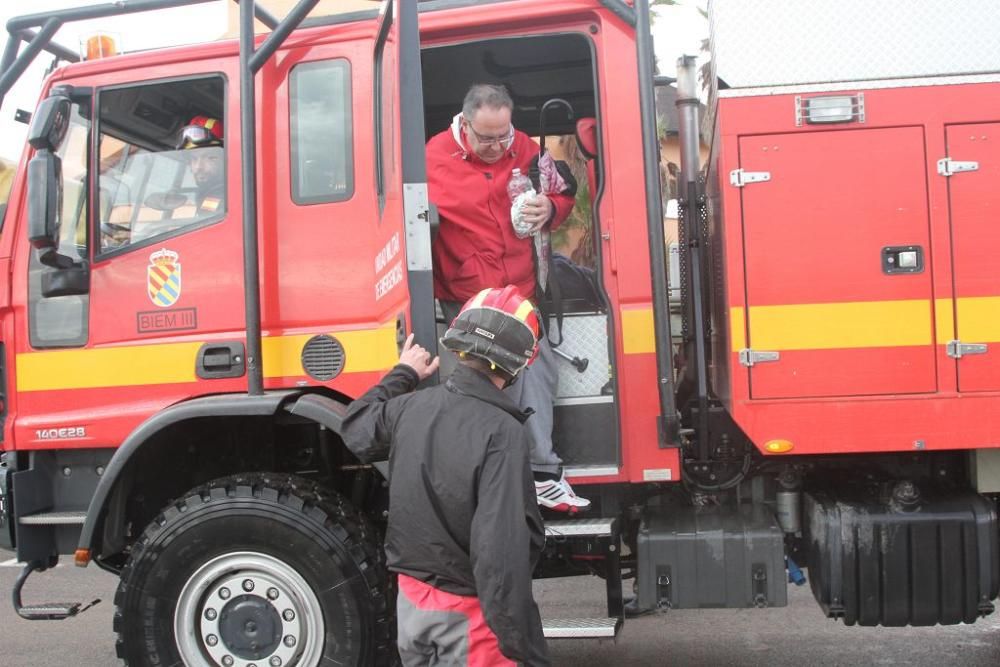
(400, 167)
(158, 316)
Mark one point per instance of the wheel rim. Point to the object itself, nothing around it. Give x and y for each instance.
(248, 609)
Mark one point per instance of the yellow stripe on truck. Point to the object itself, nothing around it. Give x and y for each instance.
(638, 334)
(944, 320)
(174, 363)
(125, 366)
(979, 319)
(823, 326)
(738, 327)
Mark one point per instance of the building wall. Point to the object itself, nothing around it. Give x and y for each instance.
(6, 179)
(280, 9)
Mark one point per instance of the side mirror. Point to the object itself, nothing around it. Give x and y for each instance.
(44, 199)
(50, 123)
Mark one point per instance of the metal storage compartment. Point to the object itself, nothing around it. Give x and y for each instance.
(839, 322)
(876, 561)
(711, 557)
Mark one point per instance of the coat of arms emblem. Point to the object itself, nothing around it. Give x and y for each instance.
(163, 278)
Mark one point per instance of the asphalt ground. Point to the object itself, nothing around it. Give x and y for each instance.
(797, 635)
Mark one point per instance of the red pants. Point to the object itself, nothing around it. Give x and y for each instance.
(439, 628)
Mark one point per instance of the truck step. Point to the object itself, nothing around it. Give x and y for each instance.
(54, 519)
(580, 528)
(581, 628)
(51, 611)
(47, 611)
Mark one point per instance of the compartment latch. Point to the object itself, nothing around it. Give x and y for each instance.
(957, 349)
(739, 178)
(750, 357)
(948, 167)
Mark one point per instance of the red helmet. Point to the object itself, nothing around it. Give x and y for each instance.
(201, 131)
(498, 325)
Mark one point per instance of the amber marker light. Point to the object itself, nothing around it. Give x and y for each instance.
(82, 557)
(97, 46)
(779, 446)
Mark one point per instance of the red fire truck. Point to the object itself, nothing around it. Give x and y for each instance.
(174, 378)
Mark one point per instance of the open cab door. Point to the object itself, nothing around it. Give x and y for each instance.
(400, 168)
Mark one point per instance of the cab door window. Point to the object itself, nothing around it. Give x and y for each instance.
(161, 160)
(321, 141)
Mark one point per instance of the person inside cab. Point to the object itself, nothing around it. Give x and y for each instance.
(203, 137)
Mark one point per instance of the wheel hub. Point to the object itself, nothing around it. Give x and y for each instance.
(248, 610)
(250, 626)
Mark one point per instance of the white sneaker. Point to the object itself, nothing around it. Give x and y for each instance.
(558, 495)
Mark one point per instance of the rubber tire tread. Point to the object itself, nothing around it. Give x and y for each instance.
(359, 541)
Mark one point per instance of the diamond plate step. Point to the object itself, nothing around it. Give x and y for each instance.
(580, 528)
(54, 519)
(51, 611)
(581, 628)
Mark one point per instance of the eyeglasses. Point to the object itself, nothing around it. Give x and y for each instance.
(503, 141)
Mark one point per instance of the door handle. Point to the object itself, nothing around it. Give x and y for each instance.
(220, 360)
(902, 259)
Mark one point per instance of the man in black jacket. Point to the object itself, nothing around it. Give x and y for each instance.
(464, 529)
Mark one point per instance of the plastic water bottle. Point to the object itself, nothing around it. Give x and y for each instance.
(519, 189)
(517, 184)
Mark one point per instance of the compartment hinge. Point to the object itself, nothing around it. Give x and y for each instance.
(739, 178)
(947, 167)
(957, 349)
(750, 357)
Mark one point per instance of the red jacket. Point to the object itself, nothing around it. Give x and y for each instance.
(475, 246)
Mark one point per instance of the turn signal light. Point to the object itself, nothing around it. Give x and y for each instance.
(82, 557)
(779, 446)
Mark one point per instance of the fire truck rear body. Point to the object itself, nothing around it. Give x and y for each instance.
(867, 360)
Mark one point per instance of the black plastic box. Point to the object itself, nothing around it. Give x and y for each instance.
(875, 562)
(711, 557)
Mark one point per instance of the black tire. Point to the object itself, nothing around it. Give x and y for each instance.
(245, 523)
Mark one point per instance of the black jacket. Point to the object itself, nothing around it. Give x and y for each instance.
(462, 510)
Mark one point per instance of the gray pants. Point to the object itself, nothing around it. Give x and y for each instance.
(440, 629)
(535, 388)
(431, 638)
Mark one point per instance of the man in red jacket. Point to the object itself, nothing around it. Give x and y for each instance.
(468, 168)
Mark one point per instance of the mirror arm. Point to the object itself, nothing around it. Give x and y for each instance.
(53, 259)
